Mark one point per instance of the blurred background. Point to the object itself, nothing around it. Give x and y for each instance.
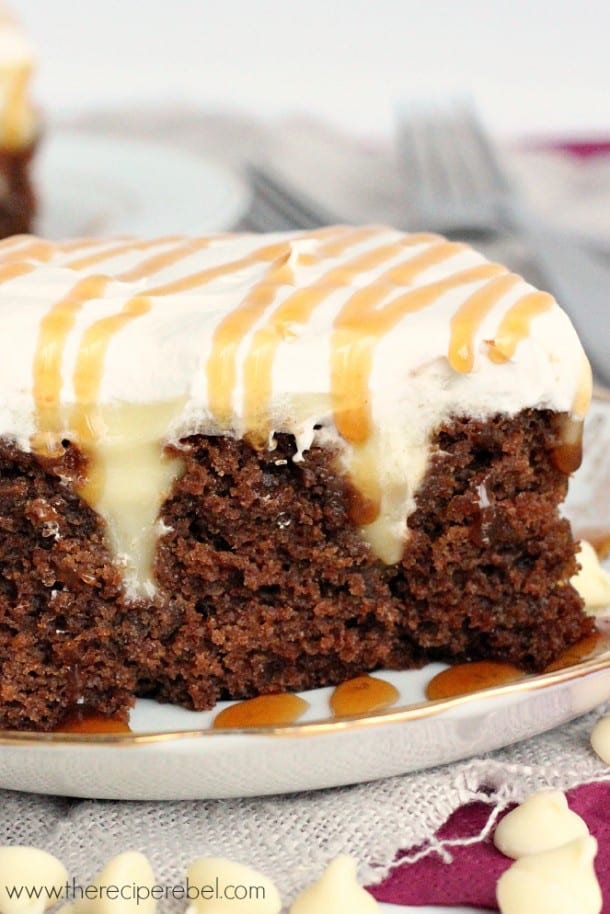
(535, 66)
(486, 120)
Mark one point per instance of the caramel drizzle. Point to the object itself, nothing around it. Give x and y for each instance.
(89, 368)
(358, 328)
(295, 312)
(159, 262)
(88, 374)
(362, 322)
(15, 270)
(53, 333)
(221, 368)
(29, 247)
(266, 254)
(584, 391)
(467, 320)
(516, 323)
(57, 324)
(117, 250)
(34, 249)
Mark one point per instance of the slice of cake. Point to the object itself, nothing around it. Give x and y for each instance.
(19, 128)
(244, 464)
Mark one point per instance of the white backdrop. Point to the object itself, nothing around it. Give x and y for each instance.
(532, 64)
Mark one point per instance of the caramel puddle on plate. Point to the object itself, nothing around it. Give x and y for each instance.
(471, 677)
(591, 646)
(264, 711)
(362, 695)
(484, 674)
(91, 723)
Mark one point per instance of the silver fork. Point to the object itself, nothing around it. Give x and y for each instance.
(457, 185)
(276, 206)
(453, 179)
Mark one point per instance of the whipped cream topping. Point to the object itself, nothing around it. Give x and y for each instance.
(18, 121)
(364, 339)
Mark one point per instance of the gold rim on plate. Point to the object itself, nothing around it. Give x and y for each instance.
(400, 715)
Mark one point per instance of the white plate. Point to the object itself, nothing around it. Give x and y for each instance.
(90, 184)
(173, 753)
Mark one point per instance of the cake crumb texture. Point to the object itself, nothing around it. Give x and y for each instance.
(265, 584)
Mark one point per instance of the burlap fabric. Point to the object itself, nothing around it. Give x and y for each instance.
(292, 837)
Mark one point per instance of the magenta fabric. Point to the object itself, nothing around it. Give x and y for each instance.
(471, 878)
(583, 149)
(578, 149)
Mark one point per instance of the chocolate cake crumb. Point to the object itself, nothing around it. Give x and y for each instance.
(265, 584)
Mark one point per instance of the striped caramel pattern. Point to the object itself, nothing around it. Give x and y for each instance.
(247, 338)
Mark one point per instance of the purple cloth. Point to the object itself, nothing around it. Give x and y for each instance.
(471, 878)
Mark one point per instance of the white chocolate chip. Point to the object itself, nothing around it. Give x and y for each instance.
(336, 892)
(561, 881)
(592, 581)
(132, 873)
(30, 868)
(233, 888)
(600, 738)
(542, 822)
(26, 868)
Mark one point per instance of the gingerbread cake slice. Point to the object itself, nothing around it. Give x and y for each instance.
(19, 127)
(243, 464)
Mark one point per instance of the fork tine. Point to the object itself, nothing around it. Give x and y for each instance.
(426, 181)
(294, 205)
(471, 122)
(460, 185)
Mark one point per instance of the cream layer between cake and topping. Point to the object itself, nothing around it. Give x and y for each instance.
(364, 339)
(18, 120)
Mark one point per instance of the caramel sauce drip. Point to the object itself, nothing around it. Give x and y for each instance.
(32, 249)
(468, 318)
(264, 711)
(221, 368)
(584, 391)
(359, 326)
(53, 333)
(368, 315)
(363, 508)
(88, 373)
(362, 695)
(465, 678)
(266, 254)
(88, 722)
(117, 250)
(159, 262)
(14, 270)
(516, 323)
(297, 310)
(567, 454)
(89, 367)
